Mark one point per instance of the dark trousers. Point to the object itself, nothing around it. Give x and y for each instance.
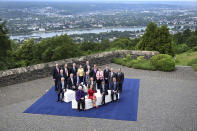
(98, 83)
(103, 99)
(81, 102)
(80, 79)
(58, 96)
(56, 81)
(112, 95)
(107, 83)
(120, 88)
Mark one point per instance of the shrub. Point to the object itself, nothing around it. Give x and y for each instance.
(181, 48)
(194, 48)
(191, 62)
(144, 65)
(163, 62)
(117, 61)
(194, 66)
(128, 57)
(166, 64)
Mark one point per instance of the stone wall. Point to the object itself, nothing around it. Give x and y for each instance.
(23, 74)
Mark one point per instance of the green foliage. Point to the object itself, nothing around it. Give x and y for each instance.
(192, 41)
(182, 48)
(145, 65)
(118, 61)
(128, 57)
(194, 48)
(192, 62)
(157, 39)
(194, 66)
(5, 46)
(163, 62)
(160, 62)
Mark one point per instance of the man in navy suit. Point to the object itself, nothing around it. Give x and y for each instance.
(120, 79)
(103, 91)
(71, 82)
(93, 72)
(114, 89)
(66, 72)
(106, 75)
(74, 69)
(56, 72)
(86, 66)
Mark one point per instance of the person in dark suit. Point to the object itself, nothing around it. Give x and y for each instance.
(94, 71)
(66, 72)
(106, 75)
(60, 75)
(103, 91)
(56, 72)
(112, 74)
(74, 70)
(61, 89)
(120, 79)
(114, 89)
(86, 66)
(80, 98)
(71, 82)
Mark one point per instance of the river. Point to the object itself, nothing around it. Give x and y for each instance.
(82, 31)
(70, 32)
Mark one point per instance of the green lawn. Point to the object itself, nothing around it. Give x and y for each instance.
(187, 58)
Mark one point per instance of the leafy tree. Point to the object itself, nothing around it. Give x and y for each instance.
(25, 52)
(192, 41)
(5, 45)
(157, 39)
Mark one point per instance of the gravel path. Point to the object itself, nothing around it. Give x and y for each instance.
(167, 102)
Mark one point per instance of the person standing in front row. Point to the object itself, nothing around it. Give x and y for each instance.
(106, 76)
(120, 79)
(112, 74)
(61, 89)
(80, 98)
(103, 91)
(56, 72)
(114, 89)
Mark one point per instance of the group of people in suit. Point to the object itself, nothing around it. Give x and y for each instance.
(93, 78)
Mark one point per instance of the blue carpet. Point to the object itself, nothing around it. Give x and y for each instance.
(125, 109)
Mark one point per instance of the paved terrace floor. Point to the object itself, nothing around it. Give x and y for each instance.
(167, 102)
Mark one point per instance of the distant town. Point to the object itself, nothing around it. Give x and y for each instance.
(38, 18)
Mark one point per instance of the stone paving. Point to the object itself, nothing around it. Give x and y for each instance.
(167, 102)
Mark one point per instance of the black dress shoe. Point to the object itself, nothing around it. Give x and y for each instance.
(57, 100)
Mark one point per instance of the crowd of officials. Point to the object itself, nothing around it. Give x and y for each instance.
(93, 78)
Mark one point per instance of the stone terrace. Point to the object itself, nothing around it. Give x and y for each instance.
(167, 102)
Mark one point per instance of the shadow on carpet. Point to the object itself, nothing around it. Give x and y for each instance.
(125, 109)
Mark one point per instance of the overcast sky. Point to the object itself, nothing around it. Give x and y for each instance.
(104, 0)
